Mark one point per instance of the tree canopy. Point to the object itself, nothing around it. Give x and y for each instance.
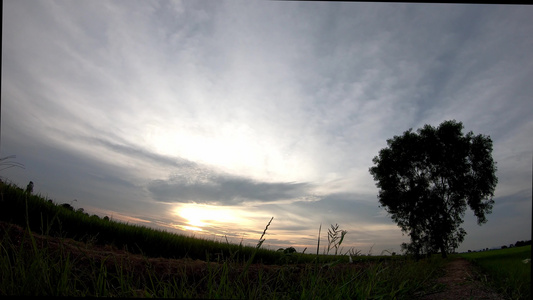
(427, 178)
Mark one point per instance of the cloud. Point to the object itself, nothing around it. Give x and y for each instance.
(277, 107)
(203, 186)
(112, 148)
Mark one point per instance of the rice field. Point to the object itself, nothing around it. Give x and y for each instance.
(47, 249)
(507, 270)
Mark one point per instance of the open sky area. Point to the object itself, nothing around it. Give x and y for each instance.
(210, 117)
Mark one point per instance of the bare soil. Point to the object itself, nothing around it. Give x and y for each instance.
(461, 282)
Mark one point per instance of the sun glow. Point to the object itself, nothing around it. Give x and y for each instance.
(232, 143)
(238, 150)
(192, 228)
(200, 216)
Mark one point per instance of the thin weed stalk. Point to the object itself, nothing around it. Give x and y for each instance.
(261, 240)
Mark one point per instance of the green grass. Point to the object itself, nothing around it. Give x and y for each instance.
(505, 270)
(40, 266)
(30, 269)
(46, 217)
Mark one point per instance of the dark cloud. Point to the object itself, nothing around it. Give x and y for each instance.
(204, 187)
(135, 152)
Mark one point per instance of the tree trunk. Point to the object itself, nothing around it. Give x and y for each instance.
(443, 251)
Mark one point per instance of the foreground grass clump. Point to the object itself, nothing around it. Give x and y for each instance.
(507, 270)
(49, 250)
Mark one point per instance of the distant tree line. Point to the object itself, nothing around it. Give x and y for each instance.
(522, 243)
(29, 191)
(80, 210)
(517, 244)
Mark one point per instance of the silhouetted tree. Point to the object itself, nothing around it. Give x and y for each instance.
(289, 250)
(427, 178)
(29, 187)
(67, 206)
(522, 243)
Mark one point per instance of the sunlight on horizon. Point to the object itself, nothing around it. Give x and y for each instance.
(202, 216)
(192, 228)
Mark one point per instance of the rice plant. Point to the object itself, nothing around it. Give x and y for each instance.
(54, 251)
(505, 270)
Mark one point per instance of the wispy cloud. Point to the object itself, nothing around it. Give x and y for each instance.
(274, 108)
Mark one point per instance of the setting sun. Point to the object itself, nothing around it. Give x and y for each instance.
(199, 216)
(209, 119)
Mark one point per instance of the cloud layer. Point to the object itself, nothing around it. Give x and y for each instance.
(267, 108)
(220, 189)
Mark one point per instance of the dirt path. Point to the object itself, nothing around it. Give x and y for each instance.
(460, 283)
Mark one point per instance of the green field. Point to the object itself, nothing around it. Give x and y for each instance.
(49, 250)
(53, 264)
(506, 270)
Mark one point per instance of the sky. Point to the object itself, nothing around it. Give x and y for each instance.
(208, 118)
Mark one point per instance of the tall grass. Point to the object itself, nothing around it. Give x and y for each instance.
(35, 266)
(505, 270)
(45, 217)
(41, 265)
